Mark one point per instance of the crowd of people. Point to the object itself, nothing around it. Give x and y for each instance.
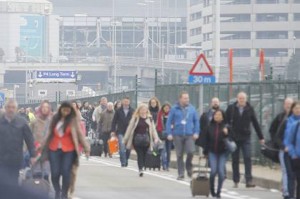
(55, 139)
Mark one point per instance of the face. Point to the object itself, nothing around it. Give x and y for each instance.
(22, 110)
(184, 100)
(218, 117)
(110, 107)
(296, 110)
(143, 112)
(287, 105)
(65, 111)
(45, 109)
(166, 109)
(74, 105)
(215, 103)
(103, 102)
(86, 105)
(119, 104)
(11, 110)
(242, 99)
(126, 102)
(79, 104)
(153, 103)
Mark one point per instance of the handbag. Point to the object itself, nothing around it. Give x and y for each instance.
(230, 145)
(269, 151)
(141, 140)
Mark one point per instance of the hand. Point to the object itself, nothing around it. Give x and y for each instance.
(32, 161)
(262, 142)
(170, 137)
(225, 130)
(195, 136)
(156, 141)
(286, 149)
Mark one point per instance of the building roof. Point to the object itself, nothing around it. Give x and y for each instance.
(26, 1)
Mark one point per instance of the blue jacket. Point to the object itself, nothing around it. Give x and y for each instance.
(288, 129)
(178, 116)
(292, 144)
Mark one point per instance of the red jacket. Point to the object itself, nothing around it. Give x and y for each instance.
(66, 141)
(160, 126)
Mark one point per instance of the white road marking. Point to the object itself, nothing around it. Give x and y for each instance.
(162, 177)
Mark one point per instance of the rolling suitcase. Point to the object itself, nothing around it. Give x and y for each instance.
(200, 182)
(153, 160)
(35, 184)
(97, 148)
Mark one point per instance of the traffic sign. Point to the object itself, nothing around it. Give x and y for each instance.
(196, 79)
(201, 67)
(2, 99)
(56, 74)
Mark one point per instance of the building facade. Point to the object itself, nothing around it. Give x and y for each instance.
(246, 27)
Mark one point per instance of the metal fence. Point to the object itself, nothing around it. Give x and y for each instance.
(112, 97)
(266, 98)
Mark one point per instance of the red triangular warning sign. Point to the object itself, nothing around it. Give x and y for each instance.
(201, 67)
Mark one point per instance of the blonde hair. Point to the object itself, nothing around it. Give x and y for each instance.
(136, 114)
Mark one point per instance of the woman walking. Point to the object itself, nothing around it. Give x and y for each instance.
(63, 140)
(141, 135)
(290, 144)
(216, 150)
(39, 128)
(154, 106)
(162, 118)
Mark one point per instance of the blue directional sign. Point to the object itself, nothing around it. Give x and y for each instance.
(196, 79)
(2, 99)
(56, 75)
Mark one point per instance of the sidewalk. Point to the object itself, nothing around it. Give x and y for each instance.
(263, 176)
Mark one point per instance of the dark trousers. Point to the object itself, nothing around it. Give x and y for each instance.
(141, 156)
(9, 175)
(245, 147)
(290, 175)
(61, 165)
(296, 169)
(105, 137)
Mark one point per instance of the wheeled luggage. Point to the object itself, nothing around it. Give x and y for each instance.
(96, 148)
(200, 181)
(153, 160)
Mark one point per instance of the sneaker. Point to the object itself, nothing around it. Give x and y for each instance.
(180, 178)
(218, 196)
(236, 185)
(250, 185)
(190, 174)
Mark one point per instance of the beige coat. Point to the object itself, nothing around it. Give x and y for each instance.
(77, 136)
(129, 135)
(39, 129)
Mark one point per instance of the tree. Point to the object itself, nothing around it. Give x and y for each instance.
(293, 68)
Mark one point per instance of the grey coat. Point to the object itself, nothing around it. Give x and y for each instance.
(129, 135)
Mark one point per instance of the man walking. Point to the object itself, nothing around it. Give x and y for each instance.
(239, 116)
(13, 132)
(119, 125)
(97, 112)
(184, 119)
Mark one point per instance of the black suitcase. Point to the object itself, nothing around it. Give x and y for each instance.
(153, 161)
(96, 148)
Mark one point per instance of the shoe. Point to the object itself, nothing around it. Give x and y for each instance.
(218, 196)
(180, 178)
(213, 194)
(236, 185)
(190, 174)
(141, 173)
(250, 185)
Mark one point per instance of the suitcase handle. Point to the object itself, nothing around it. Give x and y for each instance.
(205, 167)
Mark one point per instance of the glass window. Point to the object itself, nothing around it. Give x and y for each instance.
(235, 2)
(271, 1)
(241, 52)
(207, 36)
(297, 34)
(195, 2)
(274, 52)
(296, 1)
(235, 35)
(207, 3)
(208, 19)
(195, 16)
(235, 18)
(272, 35)
(296, 16)
(196, 31)
(272, 17)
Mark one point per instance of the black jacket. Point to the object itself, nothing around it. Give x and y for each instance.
(277, 129)
(120, 121)
(13, 136)
(240, 124)
(214, 138)
(204, 123)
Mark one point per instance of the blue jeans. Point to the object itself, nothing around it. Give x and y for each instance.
(290, 175)
(245, 146)
(217, 164)
(61, 165)
(285, 190)
(166, 154)
(124, 153)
